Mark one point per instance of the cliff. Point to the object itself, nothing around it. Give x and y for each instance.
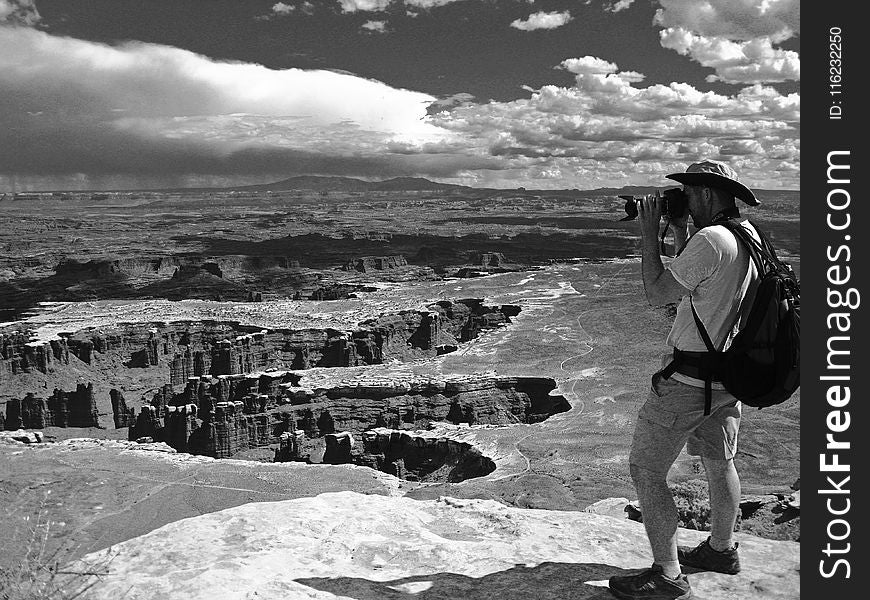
(19, 355)
(221, 416)
(199, 348)
(367, 264)
(417, 457)
(368, 547)
(121, 414)
(62, 409)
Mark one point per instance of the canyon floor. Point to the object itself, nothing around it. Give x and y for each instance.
(564, 259)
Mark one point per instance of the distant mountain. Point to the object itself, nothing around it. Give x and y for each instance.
(634, 190)
(349, 184)
(310, 182)
(414, 184)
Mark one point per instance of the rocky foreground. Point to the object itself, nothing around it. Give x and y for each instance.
(146, 522)
(352, 545)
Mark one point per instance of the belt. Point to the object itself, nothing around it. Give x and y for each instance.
(693, 364)
(700, 365)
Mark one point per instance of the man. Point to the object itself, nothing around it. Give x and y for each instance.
(714, 274)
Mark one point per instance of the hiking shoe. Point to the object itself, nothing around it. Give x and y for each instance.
(705, 558)
(650, 585)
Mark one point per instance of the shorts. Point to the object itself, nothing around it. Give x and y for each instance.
(673, 417)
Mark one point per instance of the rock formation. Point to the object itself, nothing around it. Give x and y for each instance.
(122, 416)
(62, 409)
(20, 436)
(413, 404)
(290, 446)
(218, 416)
(339, 448)
(224, 415)
(200, 348)
(19, 355)
(417, 457)
(367, 264)
(196, 349)
(228, 430)
(491, 259)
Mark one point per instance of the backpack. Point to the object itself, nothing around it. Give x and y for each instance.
(762, 366)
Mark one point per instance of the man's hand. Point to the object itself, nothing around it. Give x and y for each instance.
(649, 213)
(658, 283)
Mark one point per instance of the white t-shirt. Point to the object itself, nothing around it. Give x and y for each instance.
(718, 269)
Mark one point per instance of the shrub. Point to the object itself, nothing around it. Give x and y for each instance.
(41, 573)
(693, 504)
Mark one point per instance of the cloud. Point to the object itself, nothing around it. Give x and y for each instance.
(777, 20)
(542, 20)
(734, 37)
(460, 99)
(426, 4)
(618, 6)
(158, 115)
(71, 106)
(412, 6)
(375, 26)
(753, 61)
(568, 134)
(590, 65)
(283, 9)
(350, 6)
(19, 12)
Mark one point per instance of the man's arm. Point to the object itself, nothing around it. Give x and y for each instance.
(681, 234)
(659, 284)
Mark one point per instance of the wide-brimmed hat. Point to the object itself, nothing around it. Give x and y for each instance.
(713, 173)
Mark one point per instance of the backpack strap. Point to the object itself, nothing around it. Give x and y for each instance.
(704, 362)
(760, 254)
(711, 352)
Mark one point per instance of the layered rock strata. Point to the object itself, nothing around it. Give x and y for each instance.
(19, 355)
(121, 414)
(367, 264)
(202, 348)
(222, 416)
(413, 404)
(420, 457)
(289, 446)
(169, 266)
(76, 408)
(218, 416)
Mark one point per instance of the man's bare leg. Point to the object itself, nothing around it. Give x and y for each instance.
(659, 517)
(724, 486)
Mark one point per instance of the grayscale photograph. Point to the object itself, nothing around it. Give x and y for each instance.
(400, 299)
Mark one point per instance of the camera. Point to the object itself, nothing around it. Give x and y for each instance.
(674, 204)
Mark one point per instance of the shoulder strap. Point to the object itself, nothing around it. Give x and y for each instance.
(762, 254)
(708, 370)
(701, 329)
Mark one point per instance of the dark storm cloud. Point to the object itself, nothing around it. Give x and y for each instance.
(71, 106)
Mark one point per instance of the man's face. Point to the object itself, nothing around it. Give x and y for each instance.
(697, 204)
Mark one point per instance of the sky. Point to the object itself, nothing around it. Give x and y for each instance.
(543, 94)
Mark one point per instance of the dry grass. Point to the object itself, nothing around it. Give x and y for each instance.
(43, 572)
